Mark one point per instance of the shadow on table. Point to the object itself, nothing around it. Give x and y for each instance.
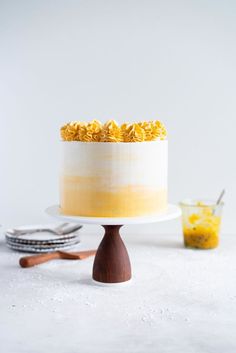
(88, 282)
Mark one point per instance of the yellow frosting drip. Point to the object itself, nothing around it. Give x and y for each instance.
(94, 131)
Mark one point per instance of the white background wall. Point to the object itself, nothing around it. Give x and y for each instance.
(126, 60)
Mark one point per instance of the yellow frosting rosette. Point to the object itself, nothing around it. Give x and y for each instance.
(158, 130)
(147, 127)
(132, 133)
(70, 131)
(111, 132)
(94, 131)
(90, 132)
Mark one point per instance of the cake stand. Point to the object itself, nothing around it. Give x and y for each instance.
(111, 263)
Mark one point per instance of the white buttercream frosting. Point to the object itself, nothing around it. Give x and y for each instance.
(118, 164)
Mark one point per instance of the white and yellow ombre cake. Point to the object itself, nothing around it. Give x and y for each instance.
(112, 171)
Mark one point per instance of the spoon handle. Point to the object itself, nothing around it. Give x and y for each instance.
(220, 197)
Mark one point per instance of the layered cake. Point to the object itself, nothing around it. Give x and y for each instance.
(113, 171)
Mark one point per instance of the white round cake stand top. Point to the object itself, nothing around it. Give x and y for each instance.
(172, 212)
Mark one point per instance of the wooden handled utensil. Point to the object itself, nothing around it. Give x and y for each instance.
(29, 261)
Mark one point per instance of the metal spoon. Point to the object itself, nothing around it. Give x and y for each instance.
(63, 229)
(219, 200)
(220, 197)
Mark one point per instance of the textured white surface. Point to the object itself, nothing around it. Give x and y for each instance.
(117, 164)
(179, 301)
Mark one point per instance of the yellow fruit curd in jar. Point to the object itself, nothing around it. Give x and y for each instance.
(201, 229)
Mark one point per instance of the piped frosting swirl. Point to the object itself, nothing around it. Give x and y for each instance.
(95, 131)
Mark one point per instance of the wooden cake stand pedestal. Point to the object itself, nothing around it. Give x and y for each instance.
(111, 263)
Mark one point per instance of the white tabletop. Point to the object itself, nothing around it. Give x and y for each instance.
(179, 300)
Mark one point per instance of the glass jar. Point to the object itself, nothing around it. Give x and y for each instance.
(201, 222)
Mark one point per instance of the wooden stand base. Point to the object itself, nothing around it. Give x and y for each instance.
(112, 264)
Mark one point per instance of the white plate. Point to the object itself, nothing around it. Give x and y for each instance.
(43, 245)
(38, 237)
(172, 212)
(31, 241)
(34, 249)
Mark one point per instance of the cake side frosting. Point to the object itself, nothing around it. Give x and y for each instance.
(113, 180)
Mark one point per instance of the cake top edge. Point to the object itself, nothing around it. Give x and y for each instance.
(111, 131)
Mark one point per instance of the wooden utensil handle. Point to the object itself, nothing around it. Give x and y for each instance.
(85, 254)
(78, 255)
(29, 261)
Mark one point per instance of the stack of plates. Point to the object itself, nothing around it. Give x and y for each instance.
(40, 242)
